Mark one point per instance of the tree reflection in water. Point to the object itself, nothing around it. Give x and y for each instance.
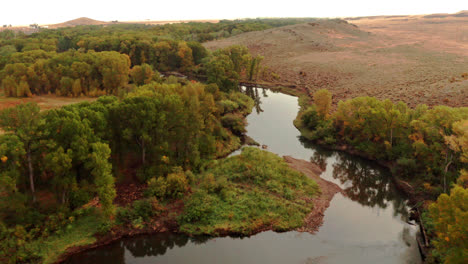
(154, 245)
(138, 246)
(253, 93)
(363, 181)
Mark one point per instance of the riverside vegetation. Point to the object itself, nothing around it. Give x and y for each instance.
(97, 60)
(427, 147)
(59, 168)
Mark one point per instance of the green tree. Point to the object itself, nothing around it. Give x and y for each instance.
(323, 101)
(142, 122)
(450, 217)
(220, 70)
(76, 89)
(254, 67)
(141, 74)
(66, 86)
(9, 86)
(101, 169)
(24, 121)
(198, 51)
(23, 89)
(60, 163)
(114, 68)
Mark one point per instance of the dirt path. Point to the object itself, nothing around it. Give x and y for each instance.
(328, 189)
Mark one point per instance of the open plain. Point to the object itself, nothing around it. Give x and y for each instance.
(415, 59)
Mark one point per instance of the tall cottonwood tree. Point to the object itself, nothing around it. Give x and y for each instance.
(24, 121)
(101, 169)
(323, 101)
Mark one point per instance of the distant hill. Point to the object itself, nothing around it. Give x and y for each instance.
(463, 13)
(82, 21)
(413, 59)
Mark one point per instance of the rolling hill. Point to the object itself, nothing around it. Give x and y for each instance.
(403, 58)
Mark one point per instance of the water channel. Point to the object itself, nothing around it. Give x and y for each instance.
(367, 225)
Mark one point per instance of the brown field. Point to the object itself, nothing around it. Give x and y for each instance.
(415, 59)
(84, 21)
(87, 21)
(44, 101)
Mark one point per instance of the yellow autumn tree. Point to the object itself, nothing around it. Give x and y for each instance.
(450, 217)
(459, 140)
(323, 101)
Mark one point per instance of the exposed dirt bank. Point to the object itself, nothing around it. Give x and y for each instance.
(328, 189)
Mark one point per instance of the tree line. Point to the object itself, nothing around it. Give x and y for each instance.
(91, 73)
(427, 146)
(171, 47)
(54, 162)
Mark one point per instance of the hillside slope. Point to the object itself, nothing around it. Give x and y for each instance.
(420, 61)
(82, 21)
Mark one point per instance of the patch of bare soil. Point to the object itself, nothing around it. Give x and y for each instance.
(328, 189)
(128, 193)
(43, 101)
(414, 59)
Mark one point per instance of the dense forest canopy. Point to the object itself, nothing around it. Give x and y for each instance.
(59, 168)
(96, 60)
(58, 160)
(425, 146)
(145, 128)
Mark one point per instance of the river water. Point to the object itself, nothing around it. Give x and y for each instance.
(368, 225)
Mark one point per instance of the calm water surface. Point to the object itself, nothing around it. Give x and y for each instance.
(368, 225)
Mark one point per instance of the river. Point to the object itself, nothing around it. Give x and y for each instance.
(367, 225)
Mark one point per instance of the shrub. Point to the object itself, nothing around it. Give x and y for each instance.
(156, 187)
(79, 197)
(228, 106)
(177, 185)
(213, 185)
(123, 215)
(310, 117)
(198, 207)
(105, 227)
(190, 176)
(244, 102)
(142, 208)
(234, 123)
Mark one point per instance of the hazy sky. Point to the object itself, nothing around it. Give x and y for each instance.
(19, 12)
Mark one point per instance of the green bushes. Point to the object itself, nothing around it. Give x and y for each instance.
(228, 106)
(245, 193)
(175, 185)
(139, 212)
(199, 207)
(310, 117)
(235, 123)
(14, 247)
(316, 126)
(156, 187)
